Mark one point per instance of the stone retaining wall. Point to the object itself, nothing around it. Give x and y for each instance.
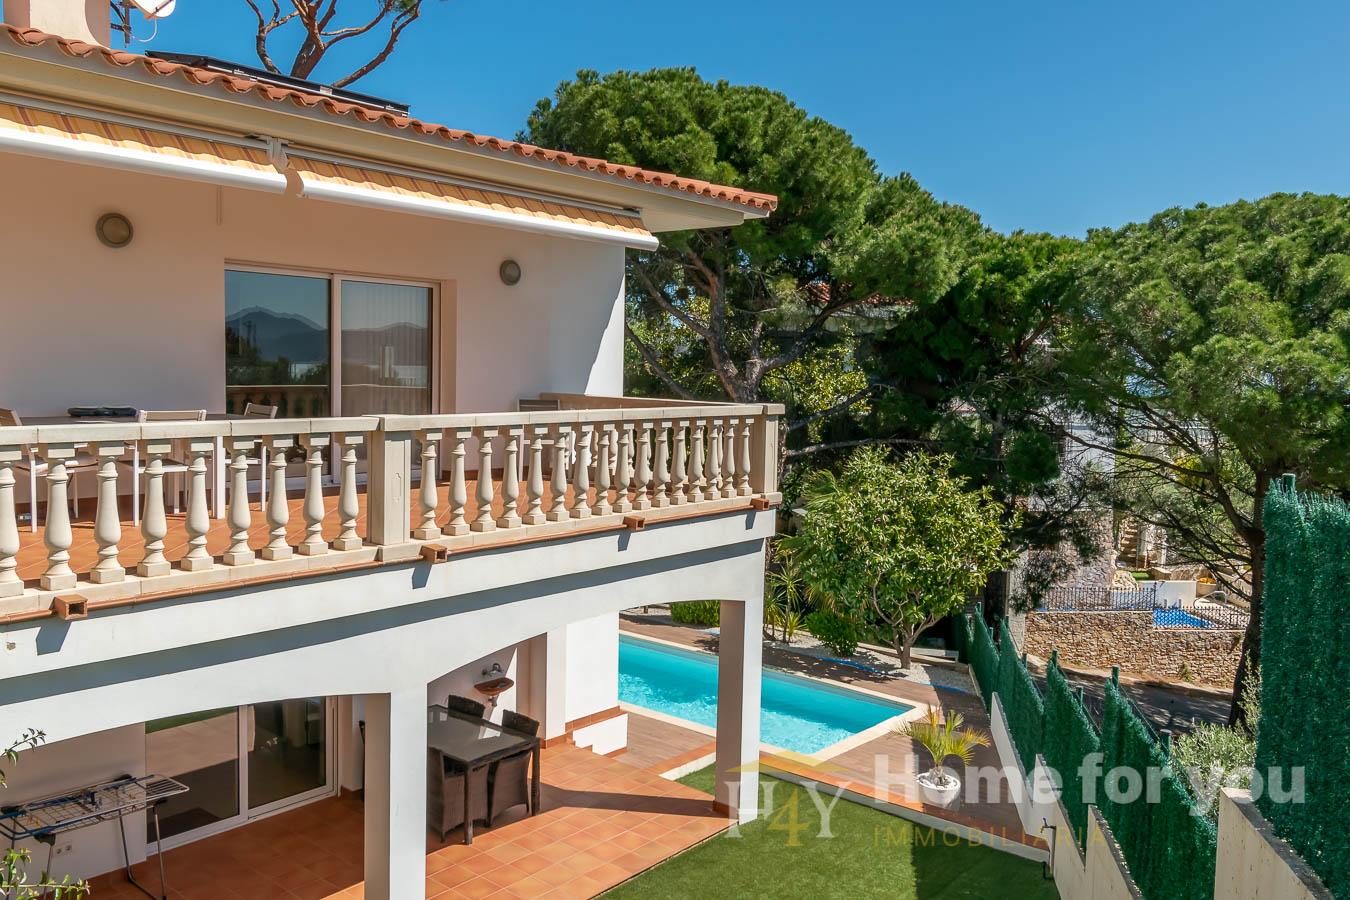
(1100, 640)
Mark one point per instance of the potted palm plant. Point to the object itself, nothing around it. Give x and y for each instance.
(944, 740)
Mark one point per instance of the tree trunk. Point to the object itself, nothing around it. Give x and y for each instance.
(1250, 661)
(903, 645)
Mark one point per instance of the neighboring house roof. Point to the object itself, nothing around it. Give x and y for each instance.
(31, 37)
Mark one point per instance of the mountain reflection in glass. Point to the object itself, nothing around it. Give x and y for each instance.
(277, 343)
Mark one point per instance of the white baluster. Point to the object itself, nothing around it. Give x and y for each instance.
(714, 490)
(642, 485)
(459, 491)
(153, 523)
(107, 517)
(729, 459)
(661, 491)
(558, 508)
(313, 543)
(680, 477)
(198, 520)
(57, 536)
(603, 477)
(240, 518)
(10, 583)
(623, 471)
(534, 515)
(581, 481)
(696, 477)
(510, 517)
(428, 497)
(278, 510)
(743, 472)
(485, 493)
(349, 507)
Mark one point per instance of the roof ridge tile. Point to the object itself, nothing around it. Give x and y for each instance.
(32, 37)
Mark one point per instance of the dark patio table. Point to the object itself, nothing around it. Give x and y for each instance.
(474, 743)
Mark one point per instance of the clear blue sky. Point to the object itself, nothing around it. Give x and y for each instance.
(1038, 115)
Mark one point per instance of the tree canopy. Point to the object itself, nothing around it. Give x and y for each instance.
(898, 546)
(766, 310)
(1214, 344)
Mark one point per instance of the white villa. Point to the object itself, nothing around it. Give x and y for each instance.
(312, 415)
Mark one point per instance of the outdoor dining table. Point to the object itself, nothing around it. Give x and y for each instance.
(217, 454)
(473, 743)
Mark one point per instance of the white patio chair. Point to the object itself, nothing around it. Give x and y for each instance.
(260, 411)
(172, 466)
(37, 467)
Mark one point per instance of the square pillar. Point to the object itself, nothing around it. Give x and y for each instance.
(548, 683)
(388, 498)
(738, 688)
(396, 794)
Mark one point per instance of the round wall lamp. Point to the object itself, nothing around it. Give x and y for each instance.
(509, 272)
(114, 230)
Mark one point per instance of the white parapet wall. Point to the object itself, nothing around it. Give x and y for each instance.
(1255, 864)
(1097, 872)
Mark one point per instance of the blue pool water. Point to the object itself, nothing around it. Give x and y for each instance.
(796, 713)
(1175, 618)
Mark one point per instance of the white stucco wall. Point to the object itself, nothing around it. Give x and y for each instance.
(62, 765)
(144, 325)
(592, 665)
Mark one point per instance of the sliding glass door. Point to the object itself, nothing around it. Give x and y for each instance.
(240, 763)
(316, 345)
(386, 348)
(278, 343)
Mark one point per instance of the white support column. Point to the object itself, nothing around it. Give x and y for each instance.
(603, 476)
(153, 524)
(680, 477)
(738, 693)
(581, 475)
(558, 506)
(396, 794)
(239, 553)
(198, 520)
(485, 492)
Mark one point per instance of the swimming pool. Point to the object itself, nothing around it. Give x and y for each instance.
(797, 714)
(1176, 618)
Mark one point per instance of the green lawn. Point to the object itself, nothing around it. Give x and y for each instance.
(871, 854)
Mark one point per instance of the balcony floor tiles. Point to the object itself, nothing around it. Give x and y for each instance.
(590, 805)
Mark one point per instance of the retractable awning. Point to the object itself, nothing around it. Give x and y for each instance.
(74, 134)
(356, 182)
(37, 128)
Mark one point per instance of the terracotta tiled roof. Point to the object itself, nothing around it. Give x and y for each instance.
(31, 37)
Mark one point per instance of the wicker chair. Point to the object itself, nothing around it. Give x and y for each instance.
(466, 706)
(509, 778)
(445, 794)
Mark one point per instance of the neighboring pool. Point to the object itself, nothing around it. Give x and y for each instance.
(1176, 618)
(796, 713)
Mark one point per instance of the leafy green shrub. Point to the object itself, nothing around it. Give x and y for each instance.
(706, 613)
(1216, 757)
(838, 633)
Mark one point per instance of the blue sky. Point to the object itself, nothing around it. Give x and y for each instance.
(1042, 116)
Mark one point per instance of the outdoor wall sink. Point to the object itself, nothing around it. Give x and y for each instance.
(494, 687)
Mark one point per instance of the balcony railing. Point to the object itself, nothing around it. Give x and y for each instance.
(510, 475)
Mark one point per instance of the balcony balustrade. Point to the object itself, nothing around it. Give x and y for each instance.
(482, 479)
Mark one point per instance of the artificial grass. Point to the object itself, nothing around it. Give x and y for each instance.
(871, 854)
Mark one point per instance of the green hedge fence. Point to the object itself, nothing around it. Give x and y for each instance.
(1169, 847)
(1068, 737)
(1305, 677)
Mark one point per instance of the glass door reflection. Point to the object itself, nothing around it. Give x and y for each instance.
(287, 744)
(202, 751)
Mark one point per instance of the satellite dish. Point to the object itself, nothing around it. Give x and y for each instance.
(155, 9)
